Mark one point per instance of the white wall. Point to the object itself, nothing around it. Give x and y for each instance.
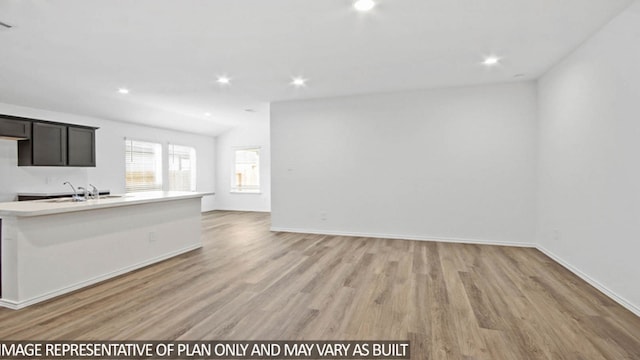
(589, 171)
(110, 169)
(255, 133)
(452, 164)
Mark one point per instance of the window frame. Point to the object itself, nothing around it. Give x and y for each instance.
(233, 188)
(159, 166)
(193, 159)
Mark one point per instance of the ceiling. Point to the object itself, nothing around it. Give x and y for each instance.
(73, 55)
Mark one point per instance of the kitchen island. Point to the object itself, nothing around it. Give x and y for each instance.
(51, 247)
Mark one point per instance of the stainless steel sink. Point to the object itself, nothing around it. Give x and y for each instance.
(63, 200)
(71, 200)
(111, 196)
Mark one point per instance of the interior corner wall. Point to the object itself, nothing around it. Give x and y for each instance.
(452, 164)
(110, 170)
(589, 177)
(255, 133)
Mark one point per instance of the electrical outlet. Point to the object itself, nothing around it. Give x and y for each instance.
(323, 215)
(152, 237)
(556, 234)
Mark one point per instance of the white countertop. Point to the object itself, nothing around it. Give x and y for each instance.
(55, 206)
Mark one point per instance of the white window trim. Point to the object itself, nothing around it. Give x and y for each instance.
(233, 170)
(162, 162)
(194, 172)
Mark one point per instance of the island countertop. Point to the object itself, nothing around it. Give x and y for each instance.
(45, 253)
(56, 206)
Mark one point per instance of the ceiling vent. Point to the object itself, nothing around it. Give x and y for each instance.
(5, 26)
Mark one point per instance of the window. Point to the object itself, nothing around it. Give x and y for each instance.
(182, 168)
(143, 166)
(246, 171)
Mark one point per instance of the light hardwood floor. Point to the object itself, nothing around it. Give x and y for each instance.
(452, 301)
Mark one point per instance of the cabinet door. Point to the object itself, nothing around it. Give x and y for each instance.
(15, 128)
(49, 144)
(82, 146)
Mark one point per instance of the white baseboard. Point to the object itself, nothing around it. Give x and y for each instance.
(16, 305)
(242, 210)
(593, 282)
(10, 304)
(406, 237)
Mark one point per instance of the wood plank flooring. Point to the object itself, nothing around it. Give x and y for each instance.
(452, 301)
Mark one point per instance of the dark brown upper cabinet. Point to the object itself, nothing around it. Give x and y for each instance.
(81, 147)
(12, 128)
(57, 144)
(47, 147)
(49, 144)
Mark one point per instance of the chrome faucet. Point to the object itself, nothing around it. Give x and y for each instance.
(95, 193)
(85, 192)
(75, 196)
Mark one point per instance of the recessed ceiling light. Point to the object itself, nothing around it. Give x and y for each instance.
(123, 91)
(491, 60)
(250, 110)
(207, 114)
(298, 82)
(518, 75)
(224, 80)
(364, 5)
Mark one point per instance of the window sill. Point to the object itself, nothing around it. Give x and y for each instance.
(246, 192)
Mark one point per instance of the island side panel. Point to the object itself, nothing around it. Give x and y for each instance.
(63, 252)
(9, 250)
